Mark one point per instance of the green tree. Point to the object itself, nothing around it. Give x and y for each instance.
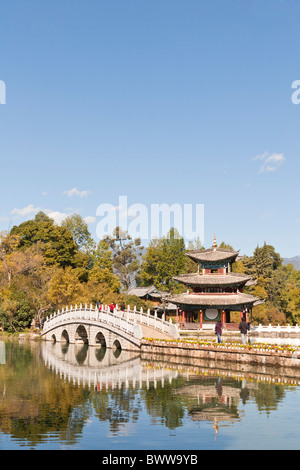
(125, 255)
(164, 259)
(56, 242)
(102, 271)
(290, 301)
(263, 262)
(15, 315)
(80, 231)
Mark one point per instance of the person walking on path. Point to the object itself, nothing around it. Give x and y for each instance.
(218, 331)
(244, 327)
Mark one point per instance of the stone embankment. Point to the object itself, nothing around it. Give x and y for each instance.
(259, 354)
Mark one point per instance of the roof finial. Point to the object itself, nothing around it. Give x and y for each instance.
(215, 242)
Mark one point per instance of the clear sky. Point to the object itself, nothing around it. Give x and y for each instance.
(163, 101)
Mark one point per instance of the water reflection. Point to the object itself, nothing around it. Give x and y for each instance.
(2, 352)
(100, 367)
(51, 393)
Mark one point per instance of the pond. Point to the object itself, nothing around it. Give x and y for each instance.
(55, 397)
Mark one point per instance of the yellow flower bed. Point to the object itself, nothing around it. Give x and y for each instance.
(259, 347)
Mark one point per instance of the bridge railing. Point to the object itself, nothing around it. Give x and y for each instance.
(153, 321)
(127, 320)
(85, 313)
(276, 328)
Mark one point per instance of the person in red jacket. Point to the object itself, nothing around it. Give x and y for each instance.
(218, 331)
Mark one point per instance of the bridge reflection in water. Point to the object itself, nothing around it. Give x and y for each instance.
(208, 391)
(100, 367)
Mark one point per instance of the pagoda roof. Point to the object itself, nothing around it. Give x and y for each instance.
(214, 299)
(213, 254)
(228, 279)
(152, 291)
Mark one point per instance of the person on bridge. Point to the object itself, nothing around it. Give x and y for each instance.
(112, 306)
(122, 307)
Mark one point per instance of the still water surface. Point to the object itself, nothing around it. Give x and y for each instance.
(55, 396)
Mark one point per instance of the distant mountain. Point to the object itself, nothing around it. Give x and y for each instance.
(295, 261)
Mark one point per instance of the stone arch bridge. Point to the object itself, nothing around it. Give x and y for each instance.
(118, 329)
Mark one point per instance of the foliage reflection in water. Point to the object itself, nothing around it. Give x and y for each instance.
(65, 396)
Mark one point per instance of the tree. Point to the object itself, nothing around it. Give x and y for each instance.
(9, 307)
(105, 276)
(66, 289)
(81, 234)
(15, 263)
(125, 256)
(260, 288)
(164, 259)
(102, 271)
(8, 245)
(148, 273)
(15, 315)
(103, 256)
(226, 246)
(263, 262)
(278, 282)
(290, 301)
(56, 242)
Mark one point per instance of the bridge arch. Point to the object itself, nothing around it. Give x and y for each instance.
(117, 344)
(100, 339)
(65, 336)
(81, 335)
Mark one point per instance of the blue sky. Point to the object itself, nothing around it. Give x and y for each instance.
(164, 101)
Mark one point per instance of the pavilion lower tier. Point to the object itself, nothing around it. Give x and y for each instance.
(188, 314)
(212, 311)
(211, 307)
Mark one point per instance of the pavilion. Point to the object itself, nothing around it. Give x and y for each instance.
(214, 290)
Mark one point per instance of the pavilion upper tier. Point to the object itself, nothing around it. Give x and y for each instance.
(213, 255)
(218, 280)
